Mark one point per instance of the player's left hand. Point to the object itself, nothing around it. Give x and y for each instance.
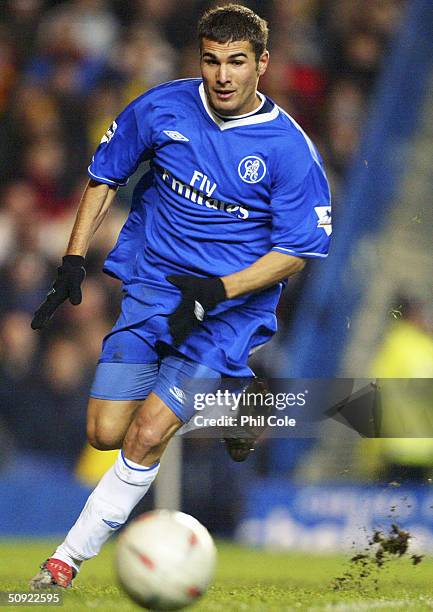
(199, 295)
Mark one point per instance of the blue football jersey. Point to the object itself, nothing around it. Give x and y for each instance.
(218, 195)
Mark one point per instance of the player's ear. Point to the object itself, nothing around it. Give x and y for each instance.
(263, 63)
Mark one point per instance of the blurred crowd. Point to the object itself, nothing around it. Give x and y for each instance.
(66, 70)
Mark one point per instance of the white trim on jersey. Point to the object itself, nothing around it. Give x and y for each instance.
(256, 348)
(277, 248)
(243, 120)
(105, 180)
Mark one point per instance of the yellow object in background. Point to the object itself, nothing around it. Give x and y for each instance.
(407, 352)
(403, 368)
(93, 464)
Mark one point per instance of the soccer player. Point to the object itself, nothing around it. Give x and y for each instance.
(235, 200)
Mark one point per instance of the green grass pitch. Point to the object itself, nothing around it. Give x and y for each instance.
(250, 580)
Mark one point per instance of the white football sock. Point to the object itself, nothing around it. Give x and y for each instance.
(107, 509)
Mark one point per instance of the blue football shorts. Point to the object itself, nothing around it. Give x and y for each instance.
(129, 369)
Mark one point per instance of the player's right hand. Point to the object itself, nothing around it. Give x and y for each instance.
(70, 275)
(198, 296)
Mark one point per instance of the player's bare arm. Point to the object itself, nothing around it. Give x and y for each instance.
(95, 202)
(265, 272)
(94, 205)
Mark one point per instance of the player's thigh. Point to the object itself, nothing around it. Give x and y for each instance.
(108, 421)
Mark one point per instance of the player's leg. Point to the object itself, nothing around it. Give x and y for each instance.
(123, 485)
(118, 391)
(121, 488)
(154, 422)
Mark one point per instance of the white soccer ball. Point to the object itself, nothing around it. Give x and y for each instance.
(165, 560)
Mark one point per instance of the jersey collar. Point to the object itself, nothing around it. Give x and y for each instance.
(249, 119)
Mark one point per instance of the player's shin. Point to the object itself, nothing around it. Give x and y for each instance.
(107, 509)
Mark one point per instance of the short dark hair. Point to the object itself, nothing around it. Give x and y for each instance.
(234, 22)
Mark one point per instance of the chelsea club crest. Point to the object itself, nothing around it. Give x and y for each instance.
(252, 169)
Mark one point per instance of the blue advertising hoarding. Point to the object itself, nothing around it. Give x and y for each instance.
(333, 517)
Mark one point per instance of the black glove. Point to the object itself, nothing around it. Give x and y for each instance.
(198, 296)
(70, 275)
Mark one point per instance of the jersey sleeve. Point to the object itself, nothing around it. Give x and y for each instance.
(301, 204)
(127, 142)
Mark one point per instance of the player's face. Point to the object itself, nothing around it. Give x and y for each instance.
(230, 74)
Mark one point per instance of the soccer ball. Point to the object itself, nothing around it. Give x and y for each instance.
(165, 560)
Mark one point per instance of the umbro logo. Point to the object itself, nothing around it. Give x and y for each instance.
(178, 394)
(112, 524)
(176, 135)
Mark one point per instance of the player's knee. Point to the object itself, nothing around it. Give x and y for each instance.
(103, 437)
(145, 434)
